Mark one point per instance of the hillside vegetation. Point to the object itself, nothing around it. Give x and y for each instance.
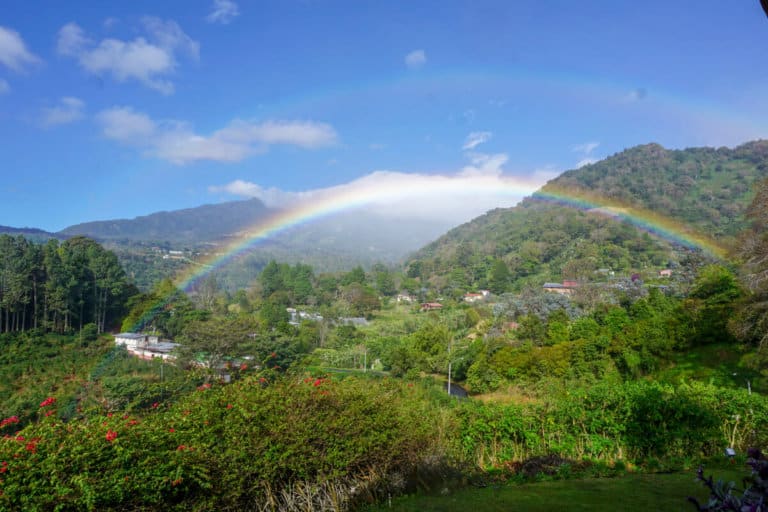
(703, 190)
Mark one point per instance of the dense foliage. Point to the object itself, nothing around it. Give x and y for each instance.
(296, 444)
(59, 287)
(707, 190)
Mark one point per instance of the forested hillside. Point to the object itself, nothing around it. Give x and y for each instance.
(706, 188)
(539, 240)
(59, 287)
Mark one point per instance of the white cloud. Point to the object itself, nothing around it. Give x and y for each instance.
(126, 125)
(474, 139)
(482, 164)
(586, 148)
(68, 110)
(13, 51)
(449, 197)
(586, 161)
(147, 60)
(110, 23)
(176, 141)
(224, 11)
(5, 87)
(416, 59)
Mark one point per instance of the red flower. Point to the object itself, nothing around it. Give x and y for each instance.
(171, 430)
(229, 406)
(155, 405)
(19, 438)
(31, 447)
(48, 401)
(273, 354)
(9, 421)
(203, 387)
(262, 380)
(133, 422)
(181, 448)
(109, 415)
(243, 367)
(318, 382)
(111, 435)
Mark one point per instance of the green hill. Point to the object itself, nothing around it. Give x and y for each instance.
(704, 189)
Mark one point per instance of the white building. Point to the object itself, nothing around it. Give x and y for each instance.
(146, 346)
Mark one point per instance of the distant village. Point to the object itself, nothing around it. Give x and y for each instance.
(150, 346)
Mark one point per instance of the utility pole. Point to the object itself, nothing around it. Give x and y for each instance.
(450, 346)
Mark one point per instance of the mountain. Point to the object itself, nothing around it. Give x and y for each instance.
(34, 234)
(332, 243)
(191, 225)
(701, 190)
(705, 188)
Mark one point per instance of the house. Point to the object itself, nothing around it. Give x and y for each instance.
(665, 273)
(509, 326)
(431, 306)
(297, 316)
(564, 288)
(473, 297)
(146, 346)
(356, 321)
(404, 297)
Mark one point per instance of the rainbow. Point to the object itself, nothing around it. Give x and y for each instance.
(646, 220)
(600, 92)
(596, 91)
(346, 198)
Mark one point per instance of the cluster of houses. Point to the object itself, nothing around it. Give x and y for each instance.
(297, 316)
(146, 346)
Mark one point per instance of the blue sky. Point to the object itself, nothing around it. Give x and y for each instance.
(118, 109)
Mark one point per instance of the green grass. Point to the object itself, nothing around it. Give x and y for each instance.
(634, 492)
(720, 364)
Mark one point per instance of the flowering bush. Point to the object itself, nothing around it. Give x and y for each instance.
(228, 447)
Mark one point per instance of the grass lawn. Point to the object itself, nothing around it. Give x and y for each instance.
(720, 364)
(633, 492)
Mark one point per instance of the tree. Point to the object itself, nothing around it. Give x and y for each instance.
(356, 275)
(750, 323)
(385, 283)
(712, 303)
(499, 278)
(216, 340)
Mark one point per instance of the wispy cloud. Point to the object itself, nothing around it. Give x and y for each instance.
(68, 110)
(636, 95)
(586, 161)
(450, 197)
(14, 53)
(416, 59)
(147, 60)
(586, 148)
(223, 12)
(474, 139)
(586, 151)
(177, 142)
(5, 87)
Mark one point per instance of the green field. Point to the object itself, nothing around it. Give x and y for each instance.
(634, 492)
(720, 364)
